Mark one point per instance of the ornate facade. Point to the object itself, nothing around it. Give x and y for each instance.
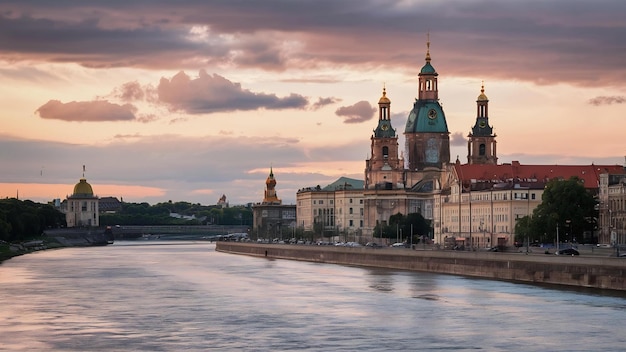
(473, 205)
(392, 188)
(272, 219)
(81, 208)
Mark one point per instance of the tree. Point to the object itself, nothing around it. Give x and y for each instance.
(21, 220)
(566, 204)
(413, 223)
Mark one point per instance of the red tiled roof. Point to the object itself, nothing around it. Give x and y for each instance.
(590, 174)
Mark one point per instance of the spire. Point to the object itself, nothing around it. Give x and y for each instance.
(428, 47)
(384, 99)
(482, 96)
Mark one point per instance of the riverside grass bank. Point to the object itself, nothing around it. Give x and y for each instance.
(606, 273)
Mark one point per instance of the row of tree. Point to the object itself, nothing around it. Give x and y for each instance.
(410, 228)
(160, 214)
(23, 220)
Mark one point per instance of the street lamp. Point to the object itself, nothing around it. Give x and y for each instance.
(557, 237)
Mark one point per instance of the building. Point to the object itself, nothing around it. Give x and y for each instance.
(482, 208)
(109, 205)
(272, 219)
(473, 205)
(392, 188)
(81, 208)
(612, 207)
(481, 141)
(334, 210)
(222, 202)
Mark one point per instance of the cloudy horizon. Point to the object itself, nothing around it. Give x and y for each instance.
(190, 100)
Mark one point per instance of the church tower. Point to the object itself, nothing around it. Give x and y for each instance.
(481, 144)
(384, 168)
(270, 191)
(426, 132)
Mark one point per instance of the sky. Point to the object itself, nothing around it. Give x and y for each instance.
(191, 100)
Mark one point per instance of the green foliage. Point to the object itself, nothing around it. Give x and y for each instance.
(405, 225)
(566, 204)
(22, 220)
(159, 214)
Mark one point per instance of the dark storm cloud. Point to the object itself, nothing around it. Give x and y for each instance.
(214, 93)
(578, 42)
(603, 100)
(357, 113)
(88, 111)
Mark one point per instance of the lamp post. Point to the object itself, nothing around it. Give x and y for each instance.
(557, 237)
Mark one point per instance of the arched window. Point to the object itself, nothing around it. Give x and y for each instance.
(385, 152)
(481, 150)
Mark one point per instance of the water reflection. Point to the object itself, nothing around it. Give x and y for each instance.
(188, 297)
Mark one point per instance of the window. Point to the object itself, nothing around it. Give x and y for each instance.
(385, 152)
(351, 223)
(361, 223)
(321, 202)
(350, 200)
(360, 201)
(350, 210)
(481, 150)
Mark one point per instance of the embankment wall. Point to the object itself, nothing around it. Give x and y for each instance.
(594, 272)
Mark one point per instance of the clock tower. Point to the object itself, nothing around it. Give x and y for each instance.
(426, 132)
(384, 168)
(481, 144)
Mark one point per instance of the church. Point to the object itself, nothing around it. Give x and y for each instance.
(475, 204)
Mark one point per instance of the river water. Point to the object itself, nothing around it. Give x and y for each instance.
(173, 296)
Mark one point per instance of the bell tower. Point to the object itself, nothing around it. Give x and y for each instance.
(481, 144)
(384, 167)
(270, 190)
(427, 135)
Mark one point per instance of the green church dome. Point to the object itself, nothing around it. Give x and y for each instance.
(428, 69)
(426, 117)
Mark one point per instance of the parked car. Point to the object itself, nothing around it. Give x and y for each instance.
(567, 251)
(399, 244)
(372, 244)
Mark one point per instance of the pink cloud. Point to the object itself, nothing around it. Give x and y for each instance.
(357, 113)
(213, 93)
(87, 111)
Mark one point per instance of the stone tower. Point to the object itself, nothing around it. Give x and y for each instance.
(426, 132)
(481, 143)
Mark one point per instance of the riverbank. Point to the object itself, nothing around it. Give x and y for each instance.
(581, 271)
(56, 239)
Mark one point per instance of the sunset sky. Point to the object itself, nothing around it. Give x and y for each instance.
(189, 100)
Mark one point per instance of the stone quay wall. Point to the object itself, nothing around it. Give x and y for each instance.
(593, 271)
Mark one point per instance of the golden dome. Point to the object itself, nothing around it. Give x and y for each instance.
(83, 188)
(482, 96)
(384, 99)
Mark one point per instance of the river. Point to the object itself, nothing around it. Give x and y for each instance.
(185, 296)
